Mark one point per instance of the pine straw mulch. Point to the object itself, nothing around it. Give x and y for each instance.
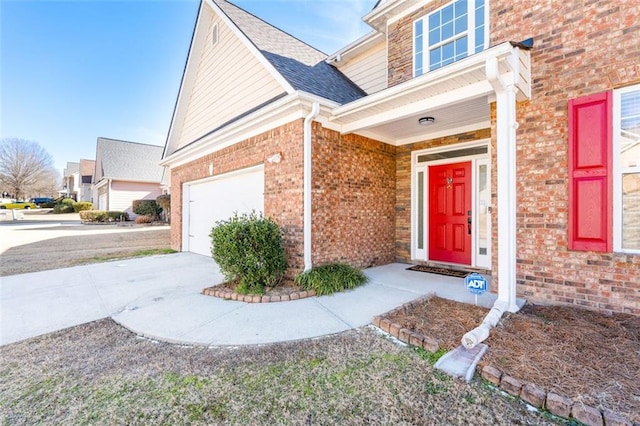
(285, 287)
(587, 356)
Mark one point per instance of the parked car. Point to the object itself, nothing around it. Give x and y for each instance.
(18, 205)
(39, 201)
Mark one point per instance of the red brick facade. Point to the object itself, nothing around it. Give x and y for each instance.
(362, 188)
(353, 199)
(577, 51)
(353, 193)
(283, 182)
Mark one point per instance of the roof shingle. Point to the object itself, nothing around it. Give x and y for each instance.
(302, 65)
(122, 160)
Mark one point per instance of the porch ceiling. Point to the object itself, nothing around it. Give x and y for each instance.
(466, 116)
(457, 96)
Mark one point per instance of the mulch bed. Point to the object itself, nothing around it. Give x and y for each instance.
(587, 356)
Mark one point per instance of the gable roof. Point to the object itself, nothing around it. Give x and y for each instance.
(72, 167)
(302, 65)
(122, 160)
(87, 167)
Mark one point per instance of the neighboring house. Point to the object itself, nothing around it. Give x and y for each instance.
(124, 172)
(86, 180)
(445, 136)
(71, 180)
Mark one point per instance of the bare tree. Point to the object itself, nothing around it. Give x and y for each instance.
(24, 166)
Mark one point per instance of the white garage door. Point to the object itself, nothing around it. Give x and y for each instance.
(205, 203)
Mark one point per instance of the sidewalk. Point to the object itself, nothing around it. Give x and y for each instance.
(159, 297)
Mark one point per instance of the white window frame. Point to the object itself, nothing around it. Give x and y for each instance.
(470, 33)
(477, 260)
(618, 170)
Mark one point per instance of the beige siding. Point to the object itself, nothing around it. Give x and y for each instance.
(124, 193)
(229, 81)
(369, 69)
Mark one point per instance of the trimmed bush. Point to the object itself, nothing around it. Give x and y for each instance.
(146, 208)
(103, 216)
(164, 201)
(67, 202)
(331, 278)
(249, 250)
(62, 208)
(81, 206)
(144, 219)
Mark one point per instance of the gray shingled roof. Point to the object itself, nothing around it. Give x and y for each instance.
(303, 66)
(122, 160)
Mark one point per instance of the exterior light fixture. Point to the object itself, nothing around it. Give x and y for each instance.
(425, 121)
(276, 158)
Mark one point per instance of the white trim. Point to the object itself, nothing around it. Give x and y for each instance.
(355, 48)
(482, 260)
(618, 170)
(252, 48)
(466, 65)
(283, 111)
(470, 33)
(416, 167)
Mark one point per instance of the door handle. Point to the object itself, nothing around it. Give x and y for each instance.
(469, 225)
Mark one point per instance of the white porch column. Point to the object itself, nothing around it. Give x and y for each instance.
(506, 126)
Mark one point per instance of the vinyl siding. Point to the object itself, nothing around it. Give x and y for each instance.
(124, 193)
(229, 81)
(369, 69)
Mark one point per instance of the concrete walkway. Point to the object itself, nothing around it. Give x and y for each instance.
(159, 297)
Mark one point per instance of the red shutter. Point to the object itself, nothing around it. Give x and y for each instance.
(590, 170)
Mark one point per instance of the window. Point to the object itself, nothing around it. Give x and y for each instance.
(214, 35)
(626, 178)
(449, 34)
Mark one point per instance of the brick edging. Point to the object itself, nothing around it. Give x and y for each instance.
(558, 405)
(404, 334)
(256, 298)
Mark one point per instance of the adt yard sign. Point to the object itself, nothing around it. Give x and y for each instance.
(475, 283)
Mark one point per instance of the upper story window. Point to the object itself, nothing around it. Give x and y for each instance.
(449, 34)
(626, 158)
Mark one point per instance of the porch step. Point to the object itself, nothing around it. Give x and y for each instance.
(461, 362)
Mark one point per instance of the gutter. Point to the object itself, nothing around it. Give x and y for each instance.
(506, 126)
(315, 110)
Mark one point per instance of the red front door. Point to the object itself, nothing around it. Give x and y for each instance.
(450, 213)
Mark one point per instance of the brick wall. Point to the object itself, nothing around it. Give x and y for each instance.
(283, 182)
(577, 51)
(400, 44)
(403, 185)
(353, 199)
(353, 193)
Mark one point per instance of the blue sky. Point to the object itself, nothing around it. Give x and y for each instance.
(71, 71)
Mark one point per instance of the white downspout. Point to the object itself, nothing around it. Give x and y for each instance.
(315, 109)
(506, 126)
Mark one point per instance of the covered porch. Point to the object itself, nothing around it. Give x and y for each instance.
(454, 130)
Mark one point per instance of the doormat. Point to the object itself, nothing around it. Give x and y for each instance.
(439, 271)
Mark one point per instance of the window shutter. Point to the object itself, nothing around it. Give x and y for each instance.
(590, 173)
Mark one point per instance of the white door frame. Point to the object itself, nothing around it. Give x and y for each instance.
(422, 254)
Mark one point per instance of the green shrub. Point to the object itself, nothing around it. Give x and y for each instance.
(81, 206)
(146, 208)
(67, 202)
(331, 278)
(62, 208)
(249, 250)
(103, 216)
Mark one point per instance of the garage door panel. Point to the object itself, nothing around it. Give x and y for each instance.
(219, 199)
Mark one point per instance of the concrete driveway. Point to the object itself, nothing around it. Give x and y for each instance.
(42, 302)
